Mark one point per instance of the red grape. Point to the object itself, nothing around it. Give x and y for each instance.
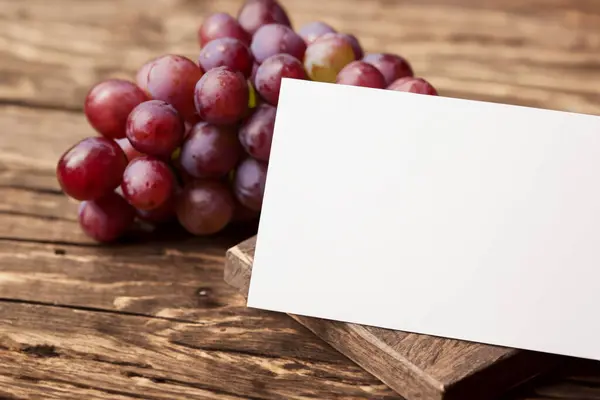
(249, 183)
(272, 70)
(326, 57)
(358, 51)
(109, 103)
(253, 73)
(141, 77)
(360, 73)
(256, 134)
(210, 151)
(227, 52)
(147, 183)
(243, 214)
(274, 39)
(130, 152)
(256, 13)
(392, 67)
(221, 96)
(91, 168)
(313, 30)
(413, 85)
(172, 78)
(163, 213)
(221, 25)
(155, 128)
(204, 207)
(106, 218)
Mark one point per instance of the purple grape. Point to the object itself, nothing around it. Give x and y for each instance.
(256, 134)
(249, 183)
(272, 70)
(106, 218)
(161, 214)
(243, 214)
(358, 51)
(221, 96)
(391, 66)
(273, 39)
(313, 30)
(256, 13)
(360, 73)
(413, 85)
(108, 104)
(227, 52)
(253, 73)
(209, 151)
(172, 78)
(205, 207)
(327, 56)
(91, 168)
(221, 25)
(155, 128)
(147, 183)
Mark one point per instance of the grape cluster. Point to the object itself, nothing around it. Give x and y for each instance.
(190, 141)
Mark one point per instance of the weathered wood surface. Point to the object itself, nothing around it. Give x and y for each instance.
(156, 321)
(415, 366)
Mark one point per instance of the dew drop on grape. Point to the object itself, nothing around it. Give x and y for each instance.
(360, 73)
(91, 168)
(272, 70)
(221, 25)
(413, 85)
(210, 151)
(326, 57)
(147, 183)
(227, 52)
(108, 104)
(155, 128)
(172, 78)
(313, 30)
(391, 66)
(204, 207)
(256, 133)
(273, 39)
(256, 13)
(106, 218)
(249, 183)
(221, 96)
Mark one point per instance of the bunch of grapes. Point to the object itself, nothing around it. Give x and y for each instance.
(190, 141)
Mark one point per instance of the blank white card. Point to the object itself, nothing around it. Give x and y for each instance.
(455, 218)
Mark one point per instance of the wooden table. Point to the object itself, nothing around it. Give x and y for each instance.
(153, 319)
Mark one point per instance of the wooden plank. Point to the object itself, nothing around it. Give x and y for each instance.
(105, 354)
(415, 366)
(533, 53)
(539, 53)
(78, 319)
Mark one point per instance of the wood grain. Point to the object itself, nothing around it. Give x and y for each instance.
(156, 321)
(416, 366)
(77, 320)
(540, 53)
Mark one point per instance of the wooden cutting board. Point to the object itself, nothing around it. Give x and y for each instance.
(415, 366)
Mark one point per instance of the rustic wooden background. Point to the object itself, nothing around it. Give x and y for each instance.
(156, 321)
